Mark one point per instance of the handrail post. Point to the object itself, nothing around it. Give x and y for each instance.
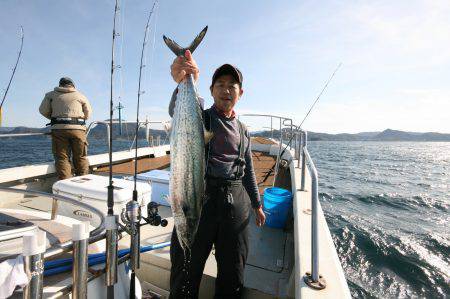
(93, 124)
(314, 237)
(277, 163)
(298, 148)
(303, 146)
(314, 279)
(271, 127)
(34, 246)
(80, 236)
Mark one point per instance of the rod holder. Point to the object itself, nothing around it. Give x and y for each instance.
(111, 249)
(34, 246)
(80, 236)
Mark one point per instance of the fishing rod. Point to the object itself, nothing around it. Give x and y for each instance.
(133, 208)
(111, 219)
(310, 109)
(13, 73)
(320, 94)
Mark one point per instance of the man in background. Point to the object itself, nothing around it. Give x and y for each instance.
(67, 110)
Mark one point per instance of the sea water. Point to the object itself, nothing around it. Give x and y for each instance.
(386, 204)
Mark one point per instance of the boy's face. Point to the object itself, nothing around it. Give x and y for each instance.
(226, 92)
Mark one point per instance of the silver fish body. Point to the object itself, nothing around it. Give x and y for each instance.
(187, 153)
(187, 162)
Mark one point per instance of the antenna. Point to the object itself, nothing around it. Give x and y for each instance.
(120, 107)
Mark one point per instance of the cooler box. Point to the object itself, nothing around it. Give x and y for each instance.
(159, 181)
(93, 190)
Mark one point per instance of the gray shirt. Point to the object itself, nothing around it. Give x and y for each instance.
(224, 150)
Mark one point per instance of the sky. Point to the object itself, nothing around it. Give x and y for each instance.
(395, 58)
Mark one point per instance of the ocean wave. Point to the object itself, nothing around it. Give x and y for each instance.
(401, 265)
(393, 200)
(325, 196)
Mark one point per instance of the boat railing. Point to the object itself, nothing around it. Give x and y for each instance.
(312, 278)
(99, 122)
(34, 250)
(146, 124)
(283, 123)
(95, 234)
(296, 139)
(143, 124)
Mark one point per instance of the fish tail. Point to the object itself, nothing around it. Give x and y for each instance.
(178, 50)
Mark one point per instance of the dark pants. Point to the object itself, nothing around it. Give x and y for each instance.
(64, 143)
(224, 223)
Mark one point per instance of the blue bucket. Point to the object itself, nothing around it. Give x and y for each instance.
(277, 203)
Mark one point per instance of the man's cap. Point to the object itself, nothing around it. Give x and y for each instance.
(228, 69)
(66, 81)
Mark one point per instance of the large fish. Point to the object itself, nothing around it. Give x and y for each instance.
(187, 154)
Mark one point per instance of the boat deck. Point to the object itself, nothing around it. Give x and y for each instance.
(263, 163)
(277, 261)
(144, 164)
(267, 270)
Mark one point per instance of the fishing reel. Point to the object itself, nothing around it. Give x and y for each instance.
(153, 217)
(131, 215)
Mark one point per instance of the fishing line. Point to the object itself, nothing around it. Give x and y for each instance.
(307, 114)
(111, 237)
(13, 72)
(134, 207)
(122, 38)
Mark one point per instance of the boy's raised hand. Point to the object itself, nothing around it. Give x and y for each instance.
(184, 65)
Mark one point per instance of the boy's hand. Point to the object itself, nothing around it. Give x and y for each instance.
(260, 217)
(184, 65)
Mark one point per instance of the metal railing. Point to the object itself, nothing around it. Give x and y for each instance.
(149, 138)
(313, 278)
(283, 121)
(35, 253)
(297, 141)
(97, 234)
(143, 124)
(98, 122)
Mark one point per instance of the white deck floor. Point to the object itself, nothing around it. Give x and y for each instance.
(268, 267)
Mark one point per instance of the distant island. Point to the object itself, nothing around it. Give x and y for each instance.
(386, 135)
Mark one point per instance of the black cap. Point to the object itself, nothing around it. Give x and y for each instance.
(66, 81)
(228, 69)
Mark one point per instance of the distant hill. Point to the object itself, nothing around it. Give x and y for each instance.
(394, 135)
(386, 135)
(99, 131)
(23, 130)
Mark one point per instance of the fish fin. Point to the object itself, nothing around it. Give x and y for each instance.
(197, 40)
(178, 50)
(167, 127)
(208, 135)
